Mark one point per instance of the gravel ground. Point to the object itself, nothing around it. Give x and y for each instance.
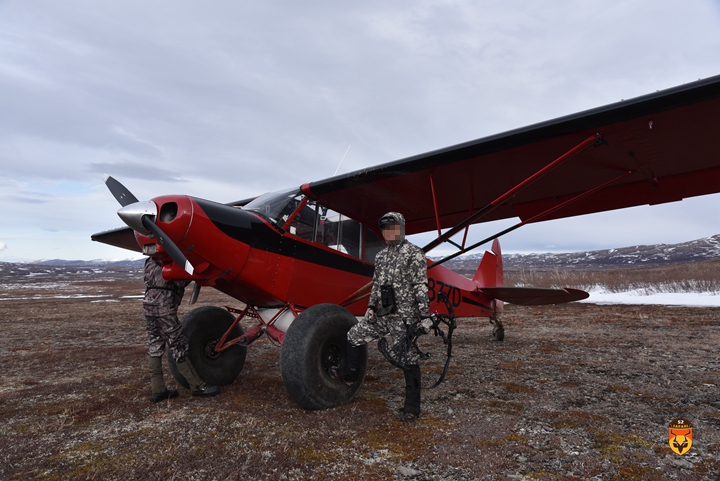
(576, 391)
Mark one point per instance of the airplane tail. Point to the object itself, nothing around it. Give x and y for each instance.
(490, 281)
(490, 271)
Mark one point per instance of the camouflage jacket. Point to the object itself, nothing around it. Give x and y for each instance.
(404, 266)
(162, 298)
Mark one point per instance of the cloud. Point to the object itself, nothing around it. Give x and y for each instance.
(232, 99)
(3, 246)
(135, 170)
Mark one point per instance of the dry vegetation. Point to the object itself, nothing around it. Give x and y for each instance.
(689, 277)
(574, 392)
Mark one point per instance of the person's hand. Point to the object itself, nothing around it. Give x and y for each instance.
(370, 316)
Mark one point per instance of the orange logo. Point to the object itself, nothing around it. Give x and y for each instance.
(680, 435)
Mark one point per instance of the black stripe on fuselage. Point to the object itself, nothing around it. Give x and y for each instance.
(247, 228)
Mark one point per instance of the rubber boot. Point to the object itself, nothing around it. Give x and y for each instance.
(411, 410)
(197, 386)
(351, 371)
(157, 383)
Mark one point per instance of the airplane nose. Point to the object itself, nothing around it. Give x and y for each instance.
(132, 215)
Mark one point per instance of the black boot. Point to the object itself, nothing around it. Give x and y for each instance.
(197, 386)
(411, 410)
(351, 370)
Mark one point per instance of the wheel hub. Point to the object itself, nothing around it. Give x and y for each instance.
(331, 355)
(209, 350)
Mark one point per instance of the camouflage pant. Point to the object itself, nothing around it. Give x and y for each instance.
(392, 328)
(166, 331)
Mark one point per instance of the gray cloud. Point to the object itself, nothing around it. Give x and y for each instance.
(230, 99)
(135, 170)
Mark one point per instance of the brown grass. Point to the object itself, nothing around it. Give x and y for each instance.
(574, 392)
(690, 277)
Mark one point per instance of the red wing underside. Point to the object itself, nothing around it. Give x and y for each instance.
(530, 296)
(668, 141)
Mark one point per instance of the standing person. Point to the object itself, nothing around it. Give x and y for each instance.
(160, 305)
(398, 298)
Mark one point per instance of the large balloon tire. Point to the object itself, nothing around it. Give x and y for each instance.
(203, 327)
(315, 341)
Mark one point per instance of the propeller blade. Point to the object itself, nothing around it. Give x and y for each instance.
(119, 191)
(168, 244)
(195, 294)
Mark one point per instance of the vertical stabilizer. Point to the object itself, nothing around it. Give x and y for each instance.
(490, 270)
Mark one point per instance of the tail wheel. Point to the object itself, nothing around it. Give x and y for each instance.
(203, 327)
(314, 342)
(498, 331)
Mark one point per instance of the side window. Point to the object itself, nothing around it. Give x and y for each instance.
(350, 236)
(303, 225)
(373, 245)
(336, 231)
(329, 229)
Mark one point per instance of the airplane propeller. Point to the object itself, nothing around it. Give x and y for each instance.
(140, 216)
(119, 191)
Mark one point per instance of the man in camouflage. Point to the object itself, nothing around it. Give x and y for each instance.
(160, 305)
(400, 268)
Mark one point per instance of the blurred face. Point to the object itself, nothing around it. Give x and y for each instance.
(391, 233)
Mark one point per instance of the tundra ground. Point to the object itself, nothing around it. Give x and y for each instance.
(577, 391)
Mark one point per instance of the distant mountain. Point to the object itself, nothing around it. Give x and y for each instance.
(621, 258)
(60, 267)
(93, 263)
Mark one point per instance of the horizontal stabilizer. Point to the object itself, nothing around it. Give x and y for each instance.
(123, 237)
(532, 296)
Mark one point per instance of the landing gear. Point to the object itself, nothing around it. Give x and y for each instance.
(498, 331)
(314, 342)
(203, 327)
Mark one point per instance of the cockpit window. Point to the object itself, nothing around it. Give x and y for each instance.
(276, 207)
(316, 223)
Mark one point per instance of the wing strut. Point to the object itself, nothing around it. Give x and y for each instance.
(593, 139)
(364, 291)
(434, 198)
(532, 219)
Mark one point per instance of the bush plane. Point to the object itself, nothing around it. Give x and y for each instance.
(301, 260)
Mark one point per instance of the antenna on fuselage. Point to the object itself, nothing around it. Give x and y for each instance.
(341, 160)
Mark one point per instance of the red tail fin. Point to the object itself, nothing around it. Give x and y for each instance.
(490, 270)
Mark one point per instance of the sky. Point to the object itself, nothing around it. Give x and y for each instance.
(226, 100)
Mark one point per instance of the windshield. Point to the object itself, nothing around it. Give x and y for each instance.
(276, 206)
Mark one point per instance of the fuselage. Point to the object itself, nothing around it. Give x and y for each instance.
(274, 260)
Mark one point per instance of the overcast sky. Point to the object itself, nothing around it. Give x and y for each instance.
(225, 100)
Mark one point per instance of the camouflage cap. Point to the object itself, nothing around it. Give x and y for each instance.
(392, 218)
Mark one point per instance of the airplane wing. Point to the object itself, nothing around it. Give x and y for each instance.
(123, 237)
(652, 149)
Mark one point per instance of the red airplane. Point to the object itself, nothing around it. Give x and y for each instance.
(301, 260)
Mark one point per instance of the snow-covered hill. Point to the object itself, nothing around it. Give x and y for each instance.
(623, 257)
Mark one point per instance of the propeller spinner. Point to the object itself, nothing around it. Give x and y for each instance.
(140, 216)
